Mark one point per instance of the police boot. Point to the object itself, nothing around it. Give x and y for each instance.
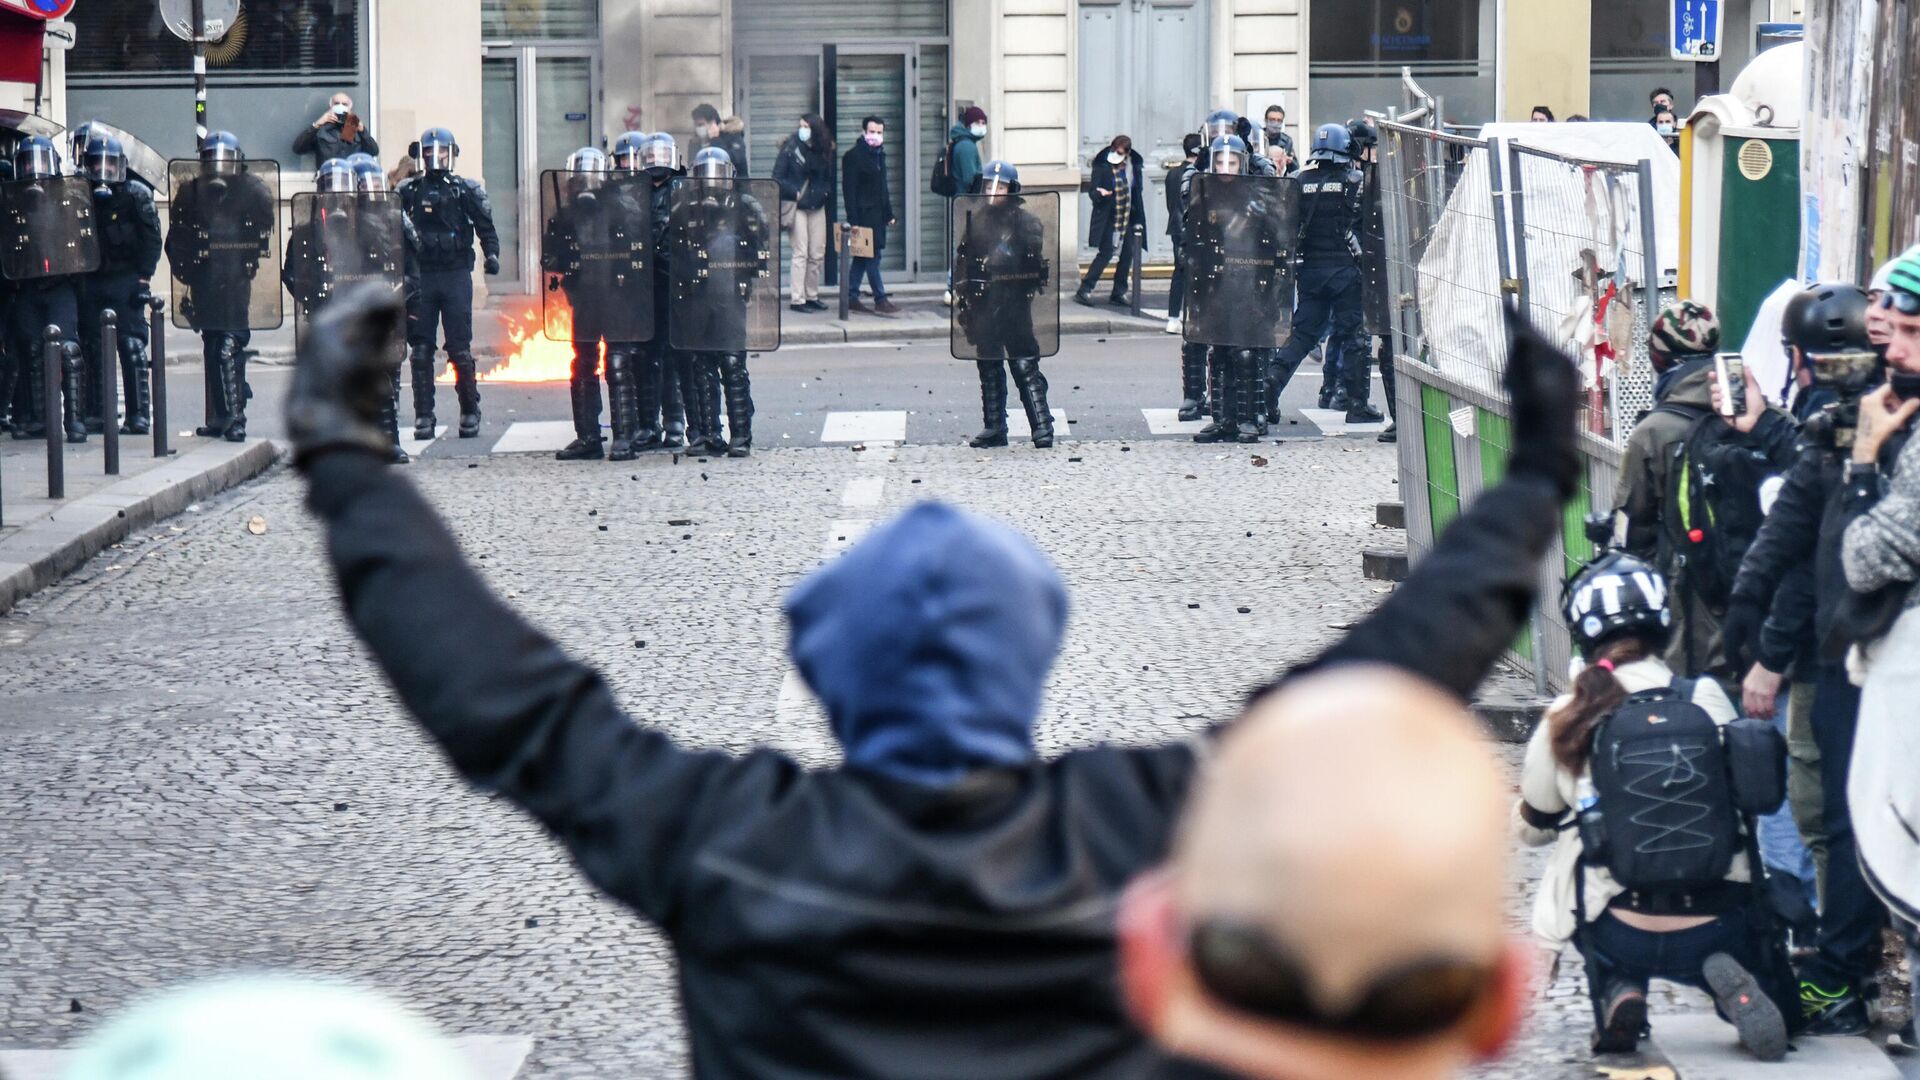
(703, 406)
(739, 387)
(237, 396)
(28, 423)
(73, 378)
(586, 444)
(993, 405)
(1033, 396)
(7, 376)
(1193, 381)
(420, 359)
(466, 386)
(213, 372)
(623, 404)
(1248, 389)
(390, 418)
(645, 369)
(1356, 379)
(138, 370)
(1219, 400)
(673, 401)
(93, 392)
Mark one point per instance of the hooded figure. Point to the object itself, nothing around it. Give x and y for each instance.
(942, 904)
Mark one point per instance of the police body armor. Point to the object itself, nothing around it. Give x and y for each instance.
(437, 203)
(223, 246)
(1240, 260)
(1006, 302)
(724, 266)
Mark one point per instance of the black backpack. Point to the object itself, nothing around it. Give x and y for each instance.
(1664, 817)
(943, 183)
(1712, 507)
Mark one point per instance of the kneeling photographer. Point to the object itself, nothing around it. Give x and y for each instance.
(1631, 761)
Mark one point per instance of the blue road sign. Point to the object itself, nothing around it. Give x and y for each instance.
(1696, 30)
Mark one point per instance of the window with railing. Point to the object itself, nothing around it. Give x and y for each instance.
(320, 39)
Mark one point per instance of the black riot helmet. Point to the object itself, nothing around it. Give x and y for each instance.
(221, 153)
(626, 151)
(712, 163)
(35, 159)
(1615, 596)
(104, 160)
(334, 178)
(1827, 318)
(659, 154)
(438, 150)
(368, 176)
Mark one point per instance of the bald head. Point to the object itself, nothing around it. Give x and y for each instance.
(1358, 820)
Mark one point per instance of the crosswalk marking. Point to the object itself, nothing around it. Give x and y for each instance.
(1168, 422)
(865, 427)
(1019, 428)
(415, 447)
(1334, 422)
(490, 1057)
(842, 534)
(535, 436)
(862, 491)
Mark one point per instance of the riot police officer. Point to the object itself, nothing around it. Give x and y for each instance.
(449, 212)
(1331, 190)
(658, 422)
(128, 225)
(1000, 265)
(1198, 390)
(723, 230)
(1229, 302)
(1224, 123)
(657, 156)
(40, 302)
(224, 221)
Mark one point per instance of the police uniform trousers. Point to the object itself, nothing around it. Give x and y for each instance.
(443, 301)
(36, 306)
(120, 292)
(1329, 295)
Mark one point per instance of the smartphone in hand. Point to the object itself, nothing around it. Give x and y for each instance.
(1730, 374)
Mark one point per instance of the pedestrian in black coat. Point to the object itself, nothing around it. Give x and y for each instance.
(338, 133)
(869, 202)
(1119, 217)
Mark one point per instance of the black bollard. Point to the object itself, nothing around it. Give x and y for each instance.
(50, 356)
(157, 360)
(109, 387)
(845, 258)
(1139, 248)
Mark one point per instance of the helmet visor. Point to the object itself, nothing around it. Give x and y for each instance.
(436, 156)
(587, 161)
(104, 167)
(713, 168)
(334, 177)
(35, 160)
(660, 154)
(370, 180)
(996, 186)
(1219, 129)
(1228, 161)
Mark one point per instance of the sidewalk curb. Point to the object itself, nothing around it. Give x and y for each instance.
(1510, 720)
(45, 551)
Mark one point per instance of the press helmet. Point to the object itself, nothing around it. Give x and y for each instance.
(335, 177)
(35, 159)
(712, 163)
(1830, 317)
(368, 176)
(626, 151)
(271, 1026)
(1228, 154)
(1332, 142)
(438, 150)
(1000, 178)
(1617, 595)
(104, 160)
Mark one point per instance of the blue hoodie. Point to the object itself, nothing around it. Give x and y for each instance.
(929, 644)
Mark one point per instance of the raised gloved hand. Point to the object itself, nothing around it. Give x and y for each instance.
(1544, 387)
(342, 379)
(493, 266)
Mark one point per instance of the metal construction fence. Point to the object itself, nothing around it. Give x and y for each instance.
(1476, 224)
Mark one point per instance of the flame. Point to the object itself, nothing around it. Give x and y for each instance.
(533, 354)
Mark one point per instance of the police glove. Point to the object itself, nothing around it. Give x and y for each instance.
(342, 378)
(1740, 631)
(493, 266)
(1544, 386)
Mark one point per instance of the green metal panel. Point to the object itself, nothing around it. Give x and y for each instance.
(1575, 546)
(1759, 232)
(1496, 446)
(1443, 480)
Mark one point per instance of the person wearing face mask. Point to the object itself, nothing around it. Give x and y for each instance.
(338, 133)
(805, 173)
(1119, 212)
(1668, 126)
(129, 227)
(963, 165)
(1280, 146)
(729, 134)
(1661, 100)
(869, 206)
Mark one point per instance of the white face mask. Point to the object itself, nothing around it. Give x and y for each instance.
(1665, 129)
(1114, 157)
(805, 133)
(978, 130)
(341, 110)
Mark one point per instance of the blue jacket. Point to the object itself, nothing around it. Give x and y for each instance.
(965, 165)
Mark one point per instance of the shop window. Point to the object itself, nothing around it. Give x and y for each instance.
(120, 38)
(539, 20)
(1396, 31)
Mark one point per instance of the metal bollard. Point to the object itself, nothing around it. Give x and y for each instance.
(846, 271)
(56, 421)
(110, 388)
(1139, 248)
(157, 360)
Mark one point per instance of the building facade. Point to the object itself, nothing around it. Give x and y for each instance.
(525, 82)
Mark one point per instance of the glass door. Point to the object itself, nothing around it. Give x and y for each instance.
(540, 103)
(878, 81)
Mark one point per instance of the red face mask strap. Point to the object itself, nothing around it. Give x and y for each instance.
(1604, 665)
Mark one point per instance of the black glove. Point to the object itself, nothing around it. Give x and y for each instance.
(1544, 387)
(1740, 631)
(493, 266)
(342, 379)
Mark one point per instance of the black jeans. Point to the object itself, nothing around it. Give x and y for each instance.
(1848, 950)
(1122, 273)
(1615, 952)
(444, 299)
(1177, 288)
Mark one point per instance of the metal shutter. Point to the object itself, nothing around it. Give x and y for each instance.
(877, 85)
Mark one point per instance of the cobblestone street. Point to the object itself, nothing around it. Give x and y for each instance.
(205, 773)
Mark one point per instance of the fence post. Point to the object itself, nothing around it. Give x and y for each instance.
(1648, 238)
(109, 388)
(50, 357)
(157, 361)
(1497, 187)
(1517, 206)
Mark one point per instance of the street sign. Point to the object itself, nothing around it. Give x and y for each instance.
(216, 18)
(1696, 31)
(39, 9)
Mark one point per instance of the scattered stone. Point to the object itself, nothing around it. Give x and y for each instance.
(681, 522)
(1259, 462)
(532, 922)
(257, 525)
(1245, 611)
(73, 1005)
(339, 806)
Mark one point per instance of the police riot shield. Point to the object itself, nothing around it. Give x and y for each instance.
(1375, 303)
(596, 256)
(1006, 300)
(725, 241)
(1241, 236)
(339, 239)
(223, 245)
(48, 228)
